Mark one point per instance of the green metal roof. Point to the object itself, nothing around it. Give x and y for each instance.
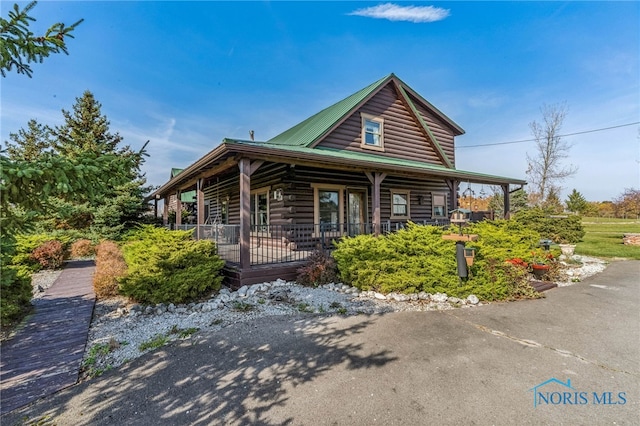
(374, 159)
(314, 127)
(185, 197)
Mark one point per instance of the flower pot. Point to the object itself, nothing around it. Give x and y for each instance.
(539, 270)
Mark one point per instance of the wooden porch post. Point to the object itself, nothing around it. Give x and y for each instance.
(507, 201)
(155, 207)
(200, 208)
(247, 168)
(376, 179)
(245, 212)
(453, 187)
(165, 211)
(178, 208)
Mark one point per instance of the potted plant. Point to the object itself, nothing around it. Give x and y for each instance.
(539, 264)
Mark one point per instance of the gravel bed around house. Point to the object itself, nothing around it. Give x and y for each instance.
(119, 328)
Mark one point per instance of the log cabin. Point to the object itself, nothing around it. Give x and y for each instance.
(370, 163)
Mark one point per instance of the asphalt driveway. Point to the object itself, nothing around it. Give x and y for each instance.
(466, 366)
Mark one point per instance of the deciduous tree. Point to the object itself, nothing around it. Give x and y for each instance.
(546, 170)
(628, 203)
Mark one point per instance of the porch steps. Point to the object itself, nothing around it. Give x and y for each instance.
(235, 277)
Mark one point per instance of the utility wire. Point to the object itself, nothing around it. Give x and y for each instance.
(533, 140)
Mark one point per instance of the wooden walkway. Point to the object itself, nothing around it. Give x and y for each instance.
(46, 354)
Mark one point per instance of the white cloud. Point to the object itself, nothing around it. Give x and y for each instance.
(394, 12)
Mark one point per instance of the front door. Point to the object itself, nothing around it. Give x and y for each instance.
(357, 211)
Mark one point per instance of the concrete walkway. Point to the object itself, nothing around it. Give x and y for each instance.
(46, 353)
(474, 366)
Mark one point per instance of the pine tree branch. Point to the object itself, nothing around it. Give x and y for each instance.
(20, 47)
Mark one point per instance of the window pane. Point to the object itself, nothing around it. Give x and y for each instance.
(439, 206)
(263, 214)
(372, 133)
(225, 213)
(329, 204)
(372, 126)
(400, 204)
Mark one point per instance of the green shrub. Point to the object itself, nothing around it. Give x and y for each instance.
(559, 229)
(320, 269)
(15, 284)
(15, 293)
(418, 259)
(168, 266)
(49, 255)
(110, 267)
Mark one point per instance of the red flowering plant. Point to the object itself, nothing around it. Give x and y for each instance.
(516, 261)
(539, 257)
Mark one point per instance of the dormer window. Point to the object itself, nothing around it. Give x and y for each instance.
(372, 132)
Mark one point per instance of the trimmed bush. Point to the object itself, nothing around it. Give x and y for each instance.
(169, 267)
(110, 267)
(25, 244)
(82, 248)
(559, 229)
(49, 255)
(418, 259)
(319, 270)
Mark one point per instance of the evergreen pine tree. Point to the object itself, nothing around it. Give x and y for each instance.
(86, 130)
(576, 203)
(31, 143)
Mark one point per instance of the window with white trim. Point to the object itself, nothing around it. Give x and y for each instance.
(260, 209)
(439, 206)
(372, 132)
(400, 204)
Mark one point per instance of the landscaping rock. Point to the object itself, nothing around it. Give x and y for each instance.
(473, 299)
(439, 297)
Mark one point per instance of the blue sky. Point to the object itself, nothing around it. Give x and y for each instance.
(185, 75)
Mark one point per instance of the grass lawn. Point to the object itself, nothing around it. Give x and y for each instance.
(603, 238)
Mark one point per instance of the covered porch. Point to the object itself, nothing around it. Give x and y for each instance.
(268, 235)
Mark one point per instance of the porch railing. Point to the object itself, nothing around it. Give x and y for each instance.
(271, 244)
